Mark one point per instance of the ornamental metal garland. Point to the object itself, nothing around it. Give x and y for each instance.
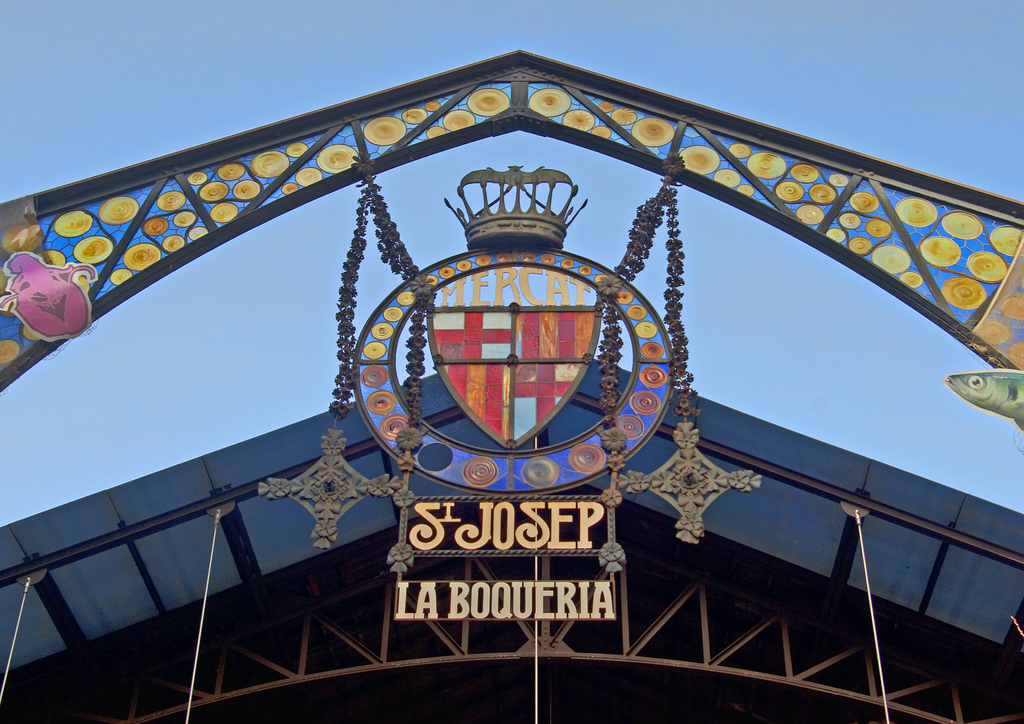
(367, 364)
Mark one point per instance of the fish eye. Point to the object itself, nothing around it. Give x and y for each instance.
(975, 382)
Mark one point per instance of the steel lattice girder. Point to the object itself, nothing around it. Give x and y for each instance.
(942, 248)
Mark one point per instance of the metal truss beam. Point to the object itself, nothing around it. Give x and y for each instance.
(518, 70)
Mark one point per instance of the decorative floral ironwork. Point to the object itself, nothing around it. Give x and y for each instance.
(690, 482)
(329, 488)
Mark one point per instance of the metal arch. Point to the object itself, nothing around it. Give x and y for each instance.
(944, 688)
(629, 117)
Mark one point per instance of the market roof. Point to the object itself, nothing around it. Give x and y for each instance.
(137, 550)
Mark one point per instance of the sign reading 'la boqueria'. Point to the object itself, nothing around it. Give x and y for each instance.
(503, 600)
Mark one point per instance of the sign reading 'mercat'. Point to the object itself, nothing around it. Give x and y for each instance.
(503, 600)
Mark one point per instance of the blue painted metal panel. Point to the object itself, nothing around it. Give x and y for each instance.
(161, 492)
(64, 526)
(913, 493)
(37, 636)
(10, 552)
(104, 592)
(781, 521)
(783, 447)
(976, 594)
(276, 451)
(177, 559)
(900, 562)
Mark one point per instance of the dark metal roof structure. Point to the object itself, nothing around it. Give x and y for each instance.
(940, 247)
(764, 621)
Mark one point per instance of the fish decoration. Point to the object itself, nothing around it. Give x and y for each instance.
(996, 392)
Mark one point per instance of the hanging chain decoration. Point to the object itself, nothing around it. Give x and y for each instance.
(348, 366)
(331, 486)
(688, 480)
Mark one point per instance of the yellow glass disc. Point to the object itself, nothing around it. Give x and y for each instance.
(1006, 239)
(878, 228)
(374, 350)
(488, 101)
(804, 173)
(623, 116)
(739, 150)
(118, 210)
(1012, 307)
(986, 266)
(290, 188)
(654, 132)
(384, 130)
(224, 212)
(849, 221)
(917, 212)
(446, 272)
(963, 293)
(72, 224)
(296, 149)
(406, 298)
(213, 191)
(864, 202)
(231, 171)
(602, 132)
(270, 164)
(197, 232)
(197, 177)
(247, 189)
(645, 330)
(336, 158)
(93, 249)
(309, 175)
(789, 190)
(745, 189)
(894, 259)
(579, 119)
(636, 312)
(141, 256)
(432, 106)
(859, 245)
(702, 160)
(173, 242)
(464, 265)
(962, 225)
(392, 314)
(414, 116)
(810, 214)
(483, 260)
(822, 193)
(435, 131)
(624, 297)
(382, 330)
(119, 276)
(993, 332)
(940, 251)
(912, 279)
(727, 177)
(836, 234)
(184, 219)
(9, 349)
(458, 119)
(767, 165)
(155, 226)
(838, 179)
(55, 258)
(550, 102)
(567, 264)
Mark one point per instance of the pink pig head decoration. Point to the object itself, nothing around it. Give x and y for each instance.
(47, 299)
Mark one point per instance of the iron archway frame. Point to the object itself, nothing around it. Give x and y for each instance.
(516, 72)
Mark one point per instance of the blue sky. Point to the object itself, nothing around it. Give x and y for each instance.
(242, 340)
